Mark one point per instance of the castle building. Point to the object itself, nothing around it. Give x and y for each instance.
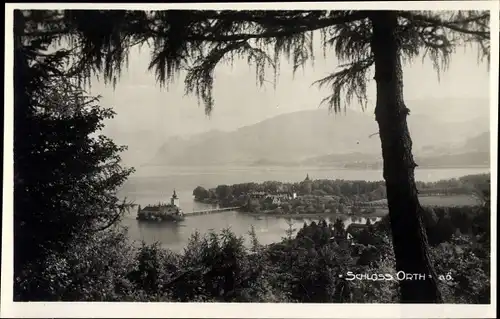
(162, 211)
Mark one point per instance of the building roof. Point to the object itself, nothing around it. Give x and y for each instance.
(275, 196)
(284, 194)
(151, 208)
(257, 193)
(156, 208)
(356, 227)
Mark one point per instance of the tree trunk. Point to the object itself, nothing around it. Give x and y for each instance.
(408, 232)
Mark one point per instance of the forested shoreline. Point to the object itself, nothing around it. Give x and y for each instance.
(327, 197)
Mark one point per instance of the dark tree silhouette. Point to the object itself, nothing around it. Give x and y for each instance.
(198, 41)
(65, 174)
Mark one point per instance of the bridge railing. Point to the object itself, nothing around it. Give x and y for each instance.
(214, 210)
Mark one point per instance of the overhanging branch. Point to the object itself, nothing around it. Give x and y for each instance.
(298, 26)
(456, 25)
(349, 82)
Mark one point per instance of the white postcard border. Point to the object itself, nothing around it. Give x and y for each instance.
(8, 308)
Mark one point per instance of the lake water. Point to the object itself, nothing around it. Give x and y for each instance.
(150, 185)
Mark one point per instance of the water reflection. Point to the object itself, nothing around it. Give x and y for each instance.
(269, 229)
(151, 232)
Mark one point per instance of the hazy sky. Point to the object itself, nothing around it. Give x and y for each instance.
(147, 114)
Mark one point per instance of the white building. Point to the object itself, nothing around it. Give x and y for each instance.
(174, 200)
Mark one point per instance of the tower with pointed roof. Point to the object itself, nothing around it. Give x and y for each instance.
(306, 186)
(174, 200)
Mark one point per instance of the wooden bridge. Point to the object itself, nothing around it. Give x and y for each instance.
(211, 211)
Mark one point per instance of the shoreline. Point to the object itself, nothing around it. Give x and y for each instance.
(145, 171)
(319, 166)
(314, 216)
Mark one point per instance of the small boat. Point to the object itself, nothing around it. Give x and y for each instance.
(162, 212)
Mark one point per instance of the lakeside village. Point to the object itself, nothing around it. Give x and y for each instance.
(309, 198)
(306, 199)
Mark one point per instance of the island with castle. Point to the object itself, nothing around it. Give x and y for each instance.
(162, 212)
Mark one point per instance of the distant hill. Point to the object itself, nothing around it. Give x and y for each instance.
(469, 159)
(342, 160)
(473, 152)
(479, 143)
(289, 137)
(316, 137)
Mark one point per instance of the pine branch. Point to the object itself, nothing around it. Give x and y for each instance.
(349, 82)
(200, 77)
(183, 36)
(293, 26)
(121, 209)
(457, 25)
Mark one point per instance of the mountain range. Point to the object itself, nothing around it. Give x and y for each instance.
(473, 152)
(315, 137)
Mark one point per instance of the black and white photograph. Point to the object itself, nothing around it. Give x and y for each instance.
(278, 154)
